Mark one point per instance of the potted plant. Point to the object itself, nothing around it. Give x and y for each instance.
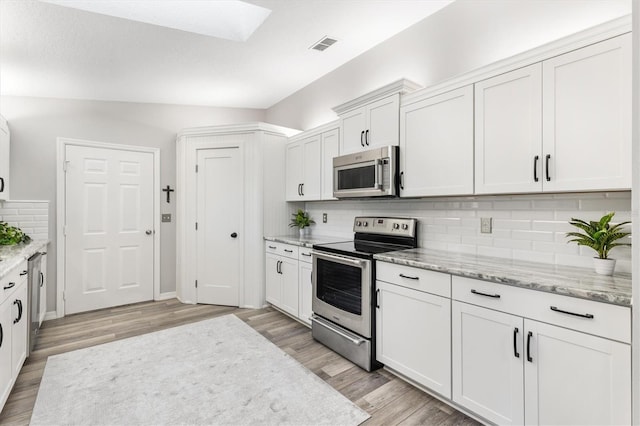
(10, 235)
(302, 221)
(601, 236)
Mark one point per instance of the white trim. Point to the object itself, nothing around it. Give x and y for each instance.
(332, 125)
(62, 143)
(401, 86)
(238, 128)
(166, 296)
(581, 39)
(51, 315)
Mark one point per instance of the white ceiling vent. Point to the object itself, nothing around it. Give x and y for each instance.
(323, 44)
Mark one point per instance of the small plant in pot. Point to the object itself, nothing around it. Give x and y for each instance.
(601, 236)
(302, 221)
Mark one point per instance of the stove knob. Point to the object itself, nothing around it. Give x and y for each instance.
(405, 226)
(365, 223)
(358, 223)
(396, 226)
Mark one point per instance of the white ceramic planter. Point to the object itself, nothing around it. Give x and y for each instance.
(604, 266)
(305, 232)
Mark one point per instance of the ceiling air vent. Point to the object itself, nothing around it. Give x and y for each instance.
(323, 44)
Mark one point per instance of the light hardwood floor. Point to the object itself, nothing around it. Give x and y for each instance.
(389, 400)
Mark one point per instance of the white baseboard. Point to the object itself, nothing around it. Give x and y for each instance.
(166, 296)
(186, 302)
(50, 315)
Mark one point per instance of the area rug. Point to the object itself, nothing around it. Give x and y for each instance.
(214, 372)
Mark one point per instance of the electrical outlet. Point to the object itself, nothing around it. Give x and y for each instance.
(324, 218)
(485, 225)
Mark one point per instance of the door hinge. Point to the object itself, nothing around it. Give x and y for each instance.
(65, 165)
(196, 168)
(64, 230)
(64, 296)
(196, 283)
(196, 226)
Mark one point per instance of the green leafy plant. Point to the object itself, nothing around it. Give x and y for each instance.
(10, 235)
(300, 220)
(600, 235)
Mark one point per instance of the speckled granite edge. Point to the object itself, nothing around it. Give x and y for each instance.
(12, 256)
(303, 241)
(564, 280)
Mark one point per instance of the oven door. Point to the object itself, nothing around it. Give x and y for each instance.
(342, 291)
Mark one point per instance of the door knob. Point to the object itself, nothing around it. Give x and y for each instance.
(234, 235)
(148, 232)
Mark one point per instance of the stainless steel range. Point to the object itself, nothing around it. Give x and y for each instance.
(344, 286)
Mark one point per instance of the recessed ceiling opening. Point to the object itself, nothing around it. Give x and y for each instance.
(228, 19)
(323, 44)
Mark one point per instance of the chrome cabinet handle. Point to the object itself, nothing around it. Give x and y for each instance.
(479, 293)
(588, 316)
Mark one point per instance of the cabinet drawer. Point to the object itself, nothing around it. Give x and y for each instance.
(281, 249)
(419, 279)
(600, 319)
(304, 254)
(17, 276)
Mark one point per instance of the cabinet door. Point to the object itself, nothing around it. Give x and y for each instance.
(43, 288)
(575, 378)
(330, 149)
(413, 331)
(273, 279)
(294, 171)
(383, 122)
(6, 370)
(21, 324)
(436, 140)
(353, 125)
(508, 132)
(4, 160)
(587, 117)
(487, 363)
(305, 292)
(311, 168)
(289, 273)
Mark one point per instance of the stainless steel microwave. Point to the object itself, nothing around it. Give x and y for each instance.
(372, 173)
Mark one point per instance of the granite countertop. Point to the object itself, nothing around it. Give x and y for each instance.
(308, 242)
(12, 256)
(564, 280)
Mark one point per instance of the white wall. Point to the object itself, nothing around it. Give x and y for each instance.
(464, 36)
(35, 124)
(525, 227)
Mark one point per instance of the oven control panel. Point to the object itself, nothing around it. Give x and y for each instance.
(385, 226)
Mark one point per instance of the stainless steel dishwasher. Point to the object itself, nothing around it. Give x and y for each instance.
(33, 289)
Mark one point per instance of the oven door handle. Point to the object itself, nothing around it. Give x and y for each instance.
(339, 259)
(321, 321)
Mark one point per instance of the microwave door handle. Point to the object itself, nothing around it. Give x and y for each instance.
(378, 174)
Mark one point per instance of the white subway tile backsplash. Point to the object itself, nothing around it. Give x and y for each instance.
(30, 216)
(527, 227)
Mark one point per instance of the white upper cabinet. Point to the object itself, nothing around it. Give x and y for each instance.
(303, 169)
(436, 145)
(5, 137)
(330, 149)
(508, 132)
(372, 125)
(560, 125)
(587, 117)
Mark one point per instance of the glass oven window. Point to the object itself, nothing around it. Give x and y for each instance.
(357, 178)
(340, 286)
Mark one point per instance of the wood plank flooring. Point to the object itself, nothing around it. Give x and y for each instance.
(389, 400)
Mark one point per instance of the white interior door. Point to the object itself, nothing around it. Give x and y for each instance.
(108, 227)
(219, 232)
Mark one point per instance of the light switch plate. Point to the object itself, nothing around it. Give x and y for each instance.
(485, 225)
(166, 217)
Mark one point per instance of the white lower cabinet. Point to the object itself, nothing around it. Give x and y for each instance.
(487, 363)
(43, 288)
(6, 366)
(288, 279)
(511, 369)
(414, 335)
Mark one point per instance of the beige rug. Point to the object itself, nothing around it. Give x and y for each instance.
(214, 372)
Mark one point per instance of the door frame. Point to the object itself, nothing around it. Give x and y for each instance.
(62, 144)
(186, 214)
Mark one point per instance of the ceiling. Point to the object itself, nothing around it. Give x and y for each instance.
(48, 50)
